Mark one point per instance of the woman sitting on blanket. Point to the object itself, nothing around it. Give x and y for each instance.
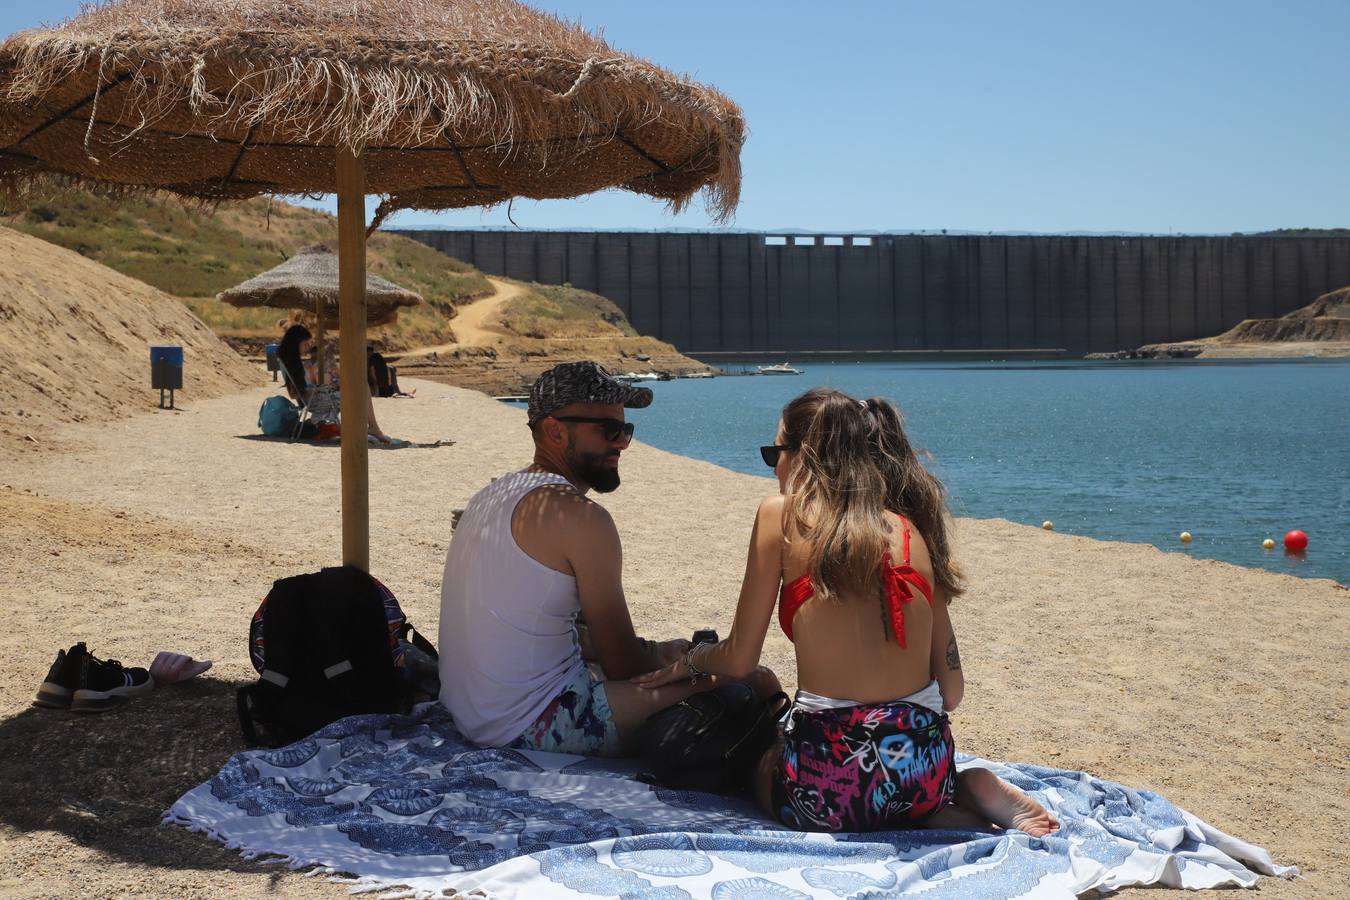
(296, 345)
(857, 541)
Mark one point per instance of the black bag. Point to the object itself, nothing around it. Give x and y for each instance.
(327, 655)
(710, 741)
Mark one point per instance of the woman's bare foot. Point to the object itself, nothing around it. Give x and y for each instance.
(984, 792)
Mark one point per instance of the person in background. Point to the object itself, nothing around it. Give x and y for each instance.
(382, 377)
(293, 352)
(854, 552)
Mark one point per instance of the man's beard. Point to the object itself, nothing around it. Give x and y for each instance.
(591, 468)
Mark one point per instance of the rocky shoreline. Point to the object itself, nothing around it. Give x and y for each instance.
(1212, 349)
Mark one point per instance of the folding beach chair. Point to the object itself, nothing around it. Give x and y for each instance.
(324, 403)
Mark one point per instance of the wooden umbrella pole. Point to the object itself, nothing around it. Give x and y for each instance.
(351, 193)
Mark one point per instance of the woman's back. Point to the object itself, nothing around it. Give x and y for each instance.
(290, 352)
(846, 646)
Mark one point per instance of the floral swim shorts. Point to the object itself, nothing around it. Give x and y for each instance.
(578, 721)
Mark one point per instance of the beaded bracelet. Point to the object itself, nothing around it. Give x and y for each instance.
(695, 673)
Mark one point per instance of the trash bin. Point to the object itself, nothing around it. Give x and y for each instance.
(166, 371)
(272, 365)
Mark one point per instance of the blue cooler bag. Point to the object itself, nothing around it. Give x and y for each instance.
(277, 417)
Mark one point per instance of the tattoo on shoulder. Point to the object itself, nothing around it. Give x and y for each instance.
(953, 656)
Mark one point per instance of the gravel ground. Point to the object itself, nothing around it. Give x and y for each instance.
(1223, 688)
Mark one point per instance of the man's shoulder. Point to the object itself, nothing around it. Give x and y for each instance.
(560, 504)
(520, 481)
(560, 498)
(557, 525)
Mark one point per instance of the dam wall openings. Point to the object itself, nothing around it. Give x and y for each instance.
(765, 293)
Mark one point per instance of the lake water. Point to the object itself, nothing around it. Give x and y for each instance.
(1233, 452)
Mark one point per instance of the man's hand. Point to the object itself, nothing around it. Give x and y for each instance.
(668, 652)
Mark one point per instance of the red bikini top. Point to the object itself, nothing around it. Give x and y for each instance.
(901, 582)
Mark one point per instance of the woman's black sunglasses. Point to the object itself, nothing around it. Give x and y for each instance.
(610, 429)
(770, 453)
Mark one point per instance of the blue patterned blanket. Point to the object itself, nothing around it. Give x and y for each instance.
(406, 801)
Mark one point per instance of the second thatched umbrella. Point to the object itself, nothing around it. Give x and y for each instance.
(309, 281)
(433, 104)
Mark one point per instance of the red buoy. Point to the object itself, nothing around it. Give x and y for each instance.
(1295, 541)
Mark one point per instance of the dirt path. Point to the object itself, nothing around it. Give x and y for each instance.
(470, 325)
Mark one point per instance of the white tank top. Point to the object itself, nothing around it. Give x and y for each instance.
(508, 640)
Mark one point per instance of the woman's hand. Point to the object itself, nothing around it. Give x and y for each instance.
(674, 673)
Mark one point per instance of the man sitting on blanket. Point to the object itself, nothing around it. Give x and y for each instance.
(530, 555)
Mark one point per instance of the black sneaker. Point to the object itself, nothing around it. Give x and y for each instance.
(105, 684)
(62, 678)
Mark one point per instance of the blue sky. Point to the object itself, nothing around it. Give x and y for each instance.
(1199, 116)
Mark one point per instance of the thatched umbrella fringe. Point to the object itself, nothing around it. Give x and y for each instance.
(381, 103)
(417, 108)
(309, 281)
(48, 60)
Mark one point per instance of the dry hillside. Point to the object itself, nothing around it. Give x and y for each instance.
(193, 253)
(1320, 329)
(75, 339)
(505, 340)
(1325, 319)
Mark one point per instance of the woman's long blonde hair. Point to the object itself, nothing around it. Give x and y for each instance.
(853, 463)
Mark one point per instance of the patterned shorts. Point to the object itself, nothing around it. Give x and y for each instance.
(872, 767)
(578, 721)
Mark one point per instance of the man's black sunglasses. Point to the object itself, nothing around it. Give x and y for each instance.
(610, 429)
(770, 453)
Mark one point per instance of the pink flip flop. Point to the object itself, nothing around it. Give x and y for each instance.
(171, 668)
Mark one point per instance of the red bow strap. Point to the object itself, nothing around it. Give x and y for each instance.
(898, 593)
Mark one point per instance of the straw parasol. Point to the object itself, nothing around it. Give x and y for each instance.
(309, 281)
(431, 104)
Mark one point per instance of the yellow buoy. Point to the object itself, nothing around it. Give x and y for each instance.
(1185, 537)
(1268, 544)
(1048, 525)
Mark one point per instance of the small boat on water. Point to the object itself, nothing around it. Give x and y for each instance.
(638, 376)
(780, 369)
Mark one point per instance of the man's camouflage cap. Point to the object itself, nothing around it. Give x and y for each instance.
(581, 382)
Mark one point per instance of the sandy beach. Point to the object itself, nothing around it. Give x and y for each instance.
(1221, 687)
(1081, 184)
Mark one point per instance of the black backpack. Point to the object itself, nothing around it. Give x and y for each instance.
(710, 741)
(328, 654)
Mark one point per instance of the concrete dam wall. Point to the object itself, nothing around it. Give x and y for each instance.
(765, 293)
